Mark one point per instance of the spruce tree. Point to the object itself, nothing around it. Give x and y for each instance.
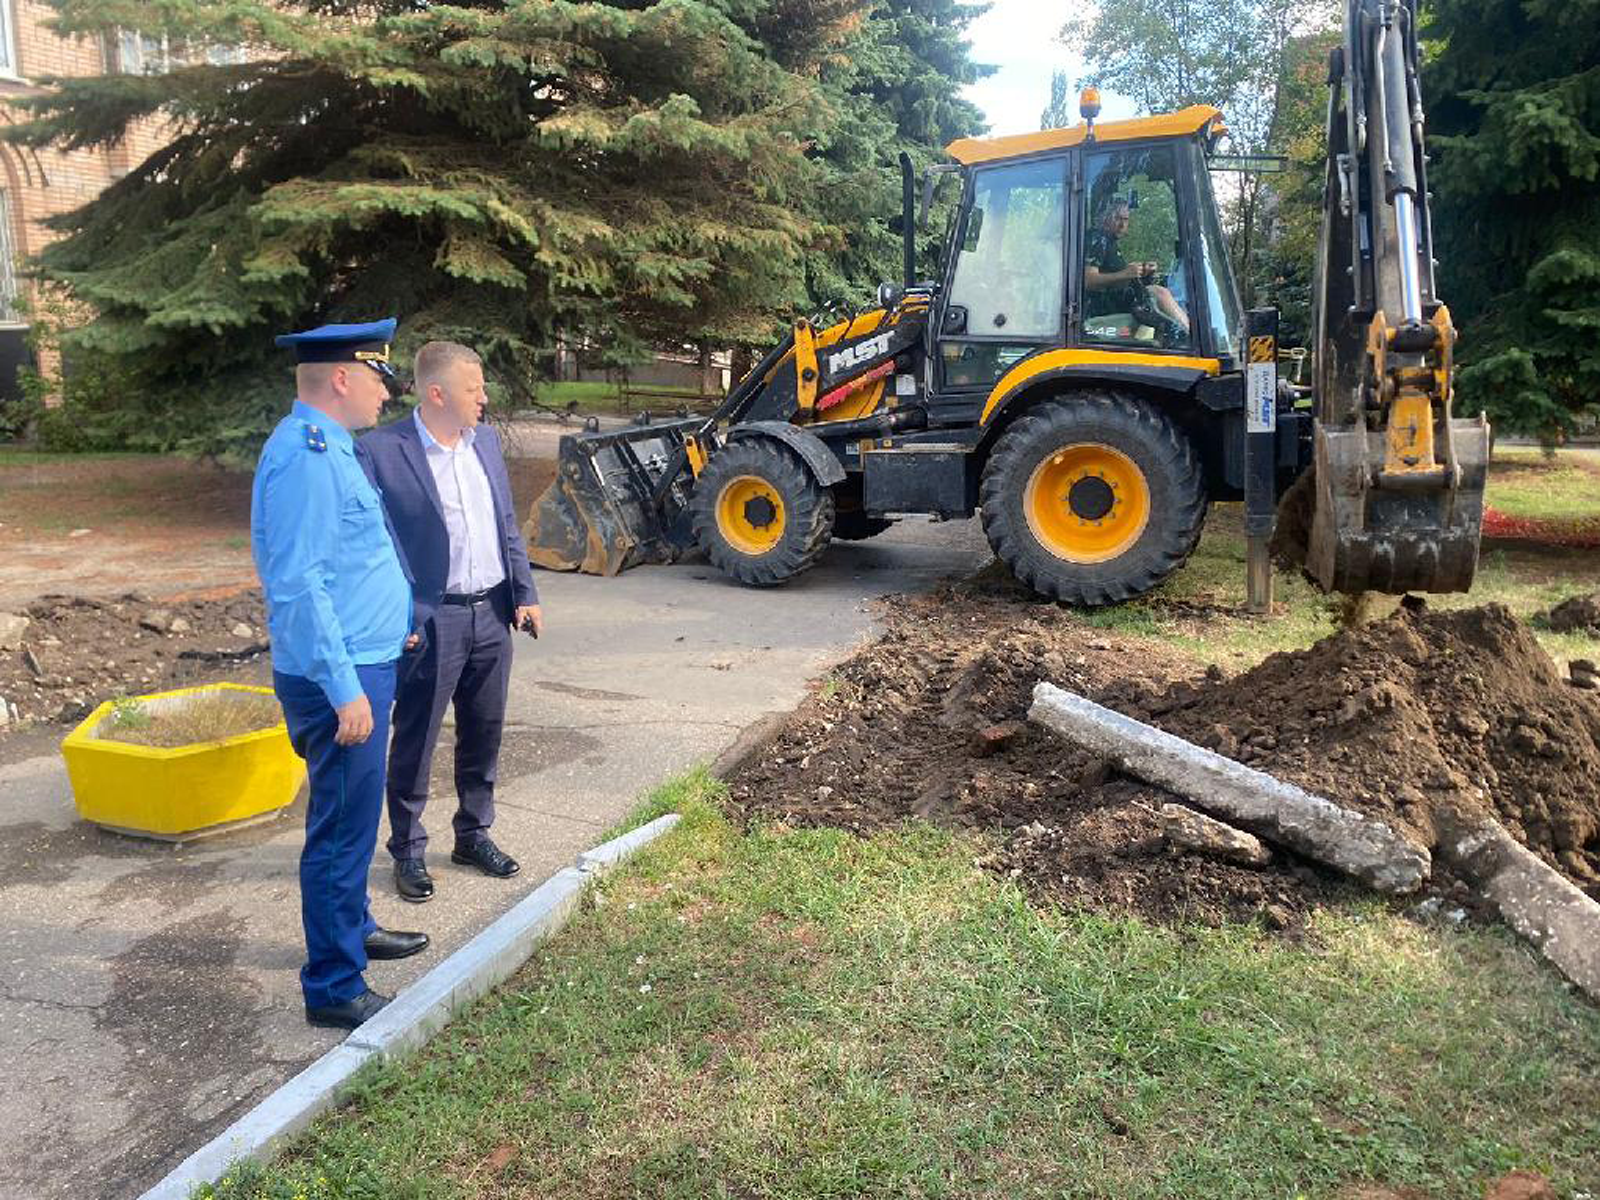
(896, 87)
(503, 173)
(1514, 129)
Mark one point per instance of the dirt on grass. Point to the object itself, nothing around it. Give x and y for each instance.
(1399, 718)
(1580, 614)
(76, 652)
(1413, 716)
(930, 722)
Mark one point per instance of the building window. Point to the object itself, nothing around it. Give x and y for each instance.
(8, 41)
(8, 265)
(139, 53)
(143, 53)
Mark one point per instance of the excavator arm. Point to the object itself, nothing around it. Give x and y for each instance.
(1398, 478)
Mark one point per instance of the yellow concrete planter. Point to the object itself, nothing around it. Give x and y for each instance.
(185, 792)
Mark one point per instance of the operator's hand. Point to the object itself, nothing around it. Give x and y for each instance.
(529, 619)
(355, 722)
(413, 642)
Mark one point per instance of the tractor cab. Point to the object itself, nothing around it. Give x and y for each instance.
(1101, 238)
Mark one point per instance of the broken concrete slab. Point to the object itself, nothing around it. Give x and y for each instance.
(1530, 896)
(1187, 829)
(13, 627)
(1358, 845)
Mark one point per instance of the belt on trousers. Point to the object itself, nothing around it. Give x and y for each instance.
(470, 597)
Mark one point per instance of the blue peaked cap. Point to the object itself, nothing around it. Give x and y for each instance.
(367, 343)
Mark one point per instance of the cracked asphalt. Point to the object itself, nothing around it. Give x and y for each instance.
(148, 993)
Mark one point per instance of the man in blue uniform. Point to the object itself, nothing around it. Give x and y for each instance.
(339, 616)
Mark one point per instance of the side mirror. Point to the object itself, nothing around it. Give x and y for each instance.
(955, 320)
(1133, 199)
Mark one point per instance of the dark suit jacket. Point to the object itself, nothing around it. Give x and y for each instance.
(393, 458)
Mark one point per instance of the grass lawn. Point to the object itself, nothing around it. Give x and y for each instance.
(1562, 487)
(808, 1014)
(599, 397)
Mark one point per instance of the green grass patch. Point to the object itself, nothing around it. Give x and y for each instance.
(808, 1014)
(1564, 487)
(1201, 608)
(599, 397)
(21, 456)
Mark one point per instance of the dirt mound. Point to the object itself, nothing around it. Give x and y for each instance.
(1581, 614)
(930, 722)
(1407, 715)
(1406, 719)
(76, 652)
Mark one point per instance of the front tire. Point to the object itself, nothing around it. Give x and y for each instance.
(759, 515)
(1092, 500)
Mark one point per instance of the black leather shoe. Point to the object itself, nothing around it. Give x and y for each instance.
(349, 1014)
(395, 943)
(412, 881)
(487, 857)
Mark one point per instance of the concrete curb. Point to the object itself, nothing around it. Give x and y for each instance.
(415, 1015)
(753, 740)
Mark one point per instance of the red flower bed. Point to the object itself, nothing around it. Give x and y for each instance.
(1584, 533)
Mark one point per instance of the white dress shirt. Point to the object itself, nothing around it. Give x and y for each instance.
(463, 485)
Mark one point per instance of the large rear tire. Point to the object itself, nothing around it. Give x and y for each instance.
(758, 514)
(1093, 499)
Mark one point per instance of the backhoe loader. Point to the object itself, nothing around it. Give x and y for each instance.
(1082, 375)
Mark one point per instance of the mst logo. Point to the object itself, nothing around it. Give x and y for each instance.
(855, 355)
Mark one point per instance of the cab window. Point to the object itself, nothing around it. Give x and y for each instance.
(1008, 274)
(1135, 278)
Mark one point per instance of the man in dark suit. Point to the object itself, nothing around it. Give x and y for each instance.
(448, 495)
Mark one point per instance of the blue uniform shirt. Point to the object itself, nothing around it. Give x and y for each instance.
(336, 595)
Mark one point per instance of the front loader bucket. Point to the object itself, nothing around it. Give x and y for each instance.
(1370, 532)
(618, 500)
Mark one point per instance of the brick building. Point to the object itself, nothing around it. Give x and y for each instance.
(36, 184)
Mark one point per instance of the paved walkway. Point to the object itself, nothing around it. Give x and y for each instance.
(148, 995)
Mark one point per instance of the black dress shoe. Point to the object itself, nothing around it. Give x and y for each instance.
(487, 857)
(395, 943)
(349, 1014)
(412, 881)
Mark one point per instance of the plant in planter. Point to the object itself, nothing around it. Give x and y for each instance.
(182, 764)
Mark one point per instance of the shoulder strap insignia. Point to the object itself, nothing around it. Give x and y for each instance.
(315, 438)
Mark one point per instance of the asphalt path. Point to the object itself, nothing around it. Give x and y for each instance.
(148, 994)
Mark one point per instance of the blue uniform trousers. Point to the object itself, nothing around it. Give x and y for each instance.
(341, 830)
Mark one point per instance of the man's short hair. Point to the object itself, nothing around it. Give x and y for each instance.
(312, 378)
(435, 358)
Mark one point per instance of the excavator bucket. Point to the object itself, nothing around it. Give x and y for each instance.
(618, 499)
(1399, 490)
(1371, 531)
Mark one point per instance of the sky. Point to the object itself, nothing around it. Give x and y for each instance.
(1019, 37)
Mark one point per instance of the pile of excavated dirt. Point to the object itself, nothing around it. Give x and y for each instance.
(75, 652)
(1403, 719)
(1581, 614)
(1407, 716)
(930, 722)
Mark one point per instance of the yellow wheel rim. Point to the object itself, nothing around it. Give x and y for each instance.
(1087, 503)
(750, 514)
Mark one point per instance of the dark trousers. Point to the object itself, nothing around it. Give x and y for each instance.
(467, 661)
(341, 830)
